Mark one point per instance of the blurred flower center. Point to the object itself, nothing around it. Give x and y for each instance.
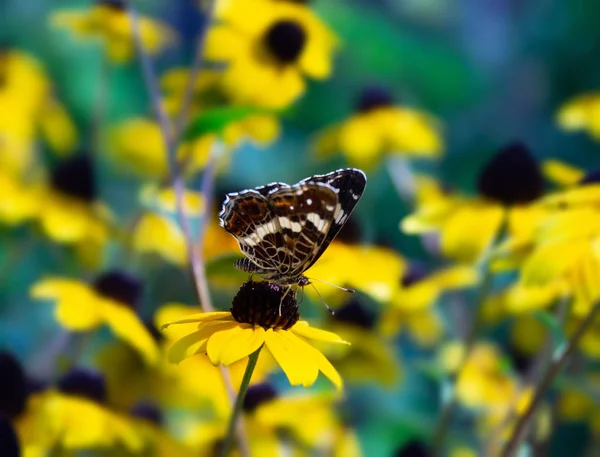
(259, 303)
(84, 383)
(113, 4)
(373, 97)
(75, 177)
(416, 272)
(285, 40)
(148, 411)
(257, 395)
(593, 177)
(355, 313)
(119, 286)
(512, 176)
(13, 393)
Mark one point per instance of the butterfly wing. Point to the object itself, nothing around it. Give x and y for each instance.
(305, 214)
(248, 216)
(349, 184)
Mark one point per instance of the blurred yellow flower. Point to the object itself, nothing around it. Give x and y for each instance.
(227, 339)
(110, 301)
(374, 270)
(380, 128)
(268, 48)
(155, 233)
(29, 107)
(508, 186)
(561, 173)
(108, 21)
(19, 201)
(581, 113)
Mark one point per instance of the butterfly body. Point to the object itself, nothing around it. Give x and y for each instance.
(284, 229)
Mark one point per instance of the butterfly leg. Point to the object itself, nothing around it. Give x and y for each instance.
(283, 298)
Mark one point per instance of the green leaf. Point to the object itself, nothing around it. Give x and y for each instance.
(554, 327)
(223, 266)
(216, 119)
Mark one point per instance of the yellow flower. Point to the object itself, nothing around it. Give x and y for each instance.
(268, 48)
(370, 357)
(254, 321)
(70, 213)
(19, 202)
(374, 270)
(108, 21)
(380, 128)
(109, 301)
(73, 417)
(561, 173)
(581, 113)
(561, 260)
(29, 107)
(507, 186)
(418, 290)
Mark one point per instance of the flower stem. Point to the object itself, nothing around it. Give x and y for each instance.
(548, 377)
(443, 425)
(239, 401)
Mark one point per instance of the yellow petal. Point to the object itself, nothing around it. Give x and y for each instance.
(285, 359)
(201, 317)
(219, 340)
(301, 352)
(561, 173)
(158, 234)
(128, 327)
(303, 329)
(243, 344)
(189, 345)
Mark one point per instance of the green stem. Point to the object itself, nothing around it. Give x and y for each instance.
(239, 401)
(443, 425)
(550, 374)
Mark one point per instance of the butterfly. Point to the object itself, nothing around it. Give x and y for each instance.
(283, 229)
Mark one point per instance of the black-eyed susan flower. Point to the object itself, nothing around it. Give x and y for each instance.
(29, 108)
(581, 113)
(255, 320)
(19, 200)
(374, 270)
(559, 261)
(369, 357)
(111, 300)
(412, 305)
(269, 47)
(73, 416)
(379, 128)
(508, 186)
(109, 22)
(71, 213)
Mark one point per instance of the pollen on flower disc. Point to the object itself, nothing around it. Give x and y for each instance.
(119, 286)
(512, 176)
(84, 383)
(257, 395)
(285, 40)
(13, 386)
(75, 177)
(258, 303)
(372, 97)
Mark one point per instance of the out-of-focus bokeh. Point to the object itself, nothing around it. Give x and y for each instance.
(473, 251)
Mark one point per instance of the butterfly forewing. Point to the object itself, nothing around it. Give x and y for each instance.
(284, 229)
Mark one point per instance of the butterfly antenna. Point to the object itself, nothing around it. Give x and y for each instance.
(331, 311)
(345, 289)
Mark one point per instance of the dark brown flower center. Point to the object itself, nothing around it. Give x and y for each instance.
(84, 383)
(372, 97)
(593, 177)
(119, 286)
(415, 272)
(413, 448)
(257, 395)
(285, 41)
(13, 387)
(260, 303)
(355, 313)
(512, 176)
(75, 177)
(117, 5)
(149, 411)
(9, 442)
